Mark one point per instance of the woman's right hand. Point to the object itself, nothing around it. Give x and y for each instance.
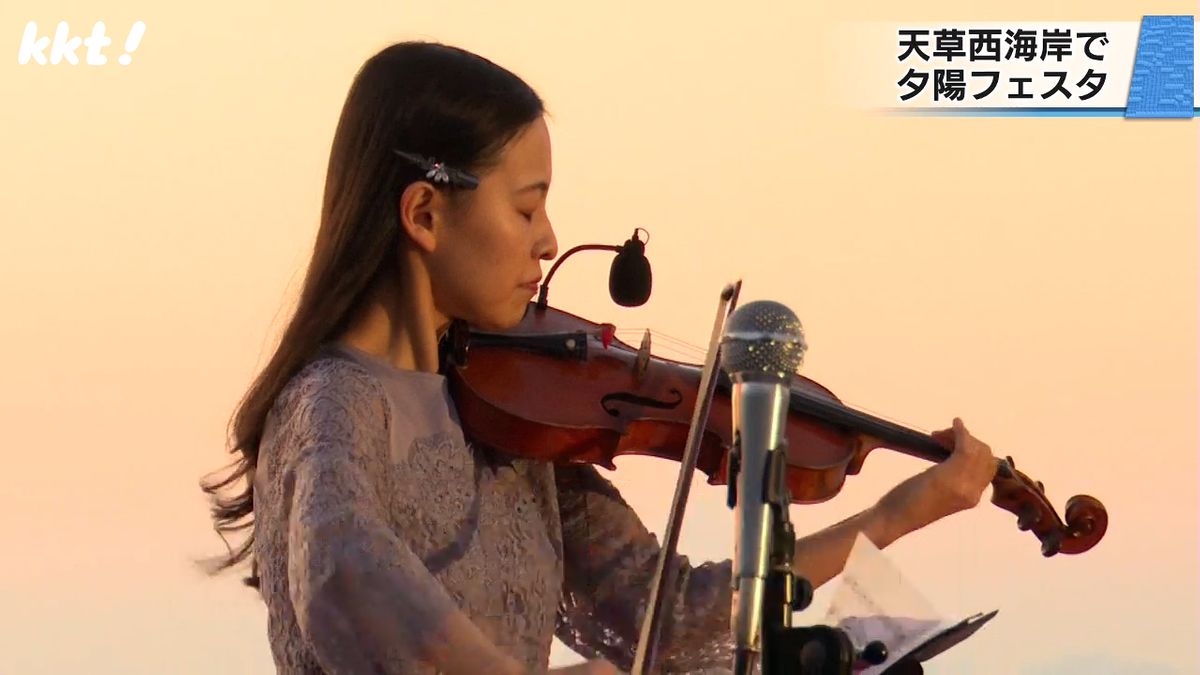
(597, 667)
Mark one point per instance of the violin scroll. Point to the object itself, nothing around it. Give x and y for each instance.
(1086, 519)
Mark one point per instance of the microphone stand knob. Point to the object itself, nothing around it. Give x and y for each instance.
(802, 595)
(874, 653)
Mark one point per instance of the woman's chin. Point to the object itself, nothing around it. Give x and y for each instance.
(515, 318)
(500, 321)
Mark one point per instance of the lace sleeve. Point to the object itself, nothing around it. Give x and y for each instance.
(363, 600)
(609, 560)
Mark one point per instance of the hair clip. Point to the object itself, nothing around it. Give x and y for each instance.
(438, 172)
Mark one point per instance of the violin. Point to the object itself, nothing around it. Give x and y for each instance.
(561, 388)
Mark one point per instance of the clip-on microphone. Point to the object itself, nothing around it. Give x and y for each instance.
(629, 277)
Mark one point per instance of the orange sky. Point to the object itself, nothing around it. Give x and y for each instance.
(1036, 277)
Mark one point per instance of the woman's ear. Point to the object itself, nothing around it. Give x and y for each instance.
(419, 210)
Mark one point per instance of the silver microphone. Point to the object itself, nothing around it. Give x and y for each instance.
(762, 348)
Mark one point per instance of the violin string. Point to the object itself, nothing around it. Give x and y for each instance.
(883, 416)
(687, 349)
(690, 350)
(636, 333)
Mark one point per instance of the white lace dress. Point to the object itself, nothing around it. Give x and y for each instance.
(374, 518)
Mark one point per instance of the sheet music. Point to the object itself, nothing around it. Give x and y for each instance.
(874, 602)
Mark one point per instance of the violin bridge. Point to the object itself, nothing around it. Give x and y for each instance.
(643, 357)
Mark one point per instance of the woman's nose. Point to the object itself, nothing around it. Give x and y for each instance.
(549, 243)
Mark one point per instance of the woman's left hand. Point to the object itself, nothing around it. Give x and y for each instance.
(954, 485)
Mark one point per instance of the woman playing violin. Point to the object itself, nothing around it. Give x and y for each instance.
(383, 540)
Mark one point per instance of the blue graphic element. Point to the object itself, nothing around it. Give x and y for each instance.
(1162, 84)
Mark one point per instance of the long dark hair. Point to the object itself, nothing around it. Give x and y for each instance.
(421, 97)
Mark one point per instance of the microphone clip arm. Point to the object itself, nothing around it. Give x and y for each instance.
(545, 288)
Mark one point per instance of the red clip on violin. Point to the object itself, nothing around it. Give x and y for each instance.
(560, 388)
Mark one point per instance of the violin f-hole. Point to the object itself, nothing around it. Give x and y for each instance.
(641, 401)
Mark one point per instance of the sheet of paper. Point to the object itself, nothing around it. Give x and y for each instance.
(874, 602)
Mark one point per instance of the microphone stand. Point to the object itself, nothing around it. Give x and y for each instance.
(815, 650)
(786, 650)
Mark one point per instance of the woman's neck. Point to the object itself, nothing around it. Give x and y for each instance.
(399, 323)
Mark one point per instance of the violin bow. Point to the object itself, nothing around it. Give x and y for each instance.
(664, 573)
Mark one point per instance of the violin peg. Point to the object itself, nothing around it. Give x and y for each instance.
(1052, 544)
(1003, 469)
(1041, 487)
(1011, 463)
(1028, 517)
